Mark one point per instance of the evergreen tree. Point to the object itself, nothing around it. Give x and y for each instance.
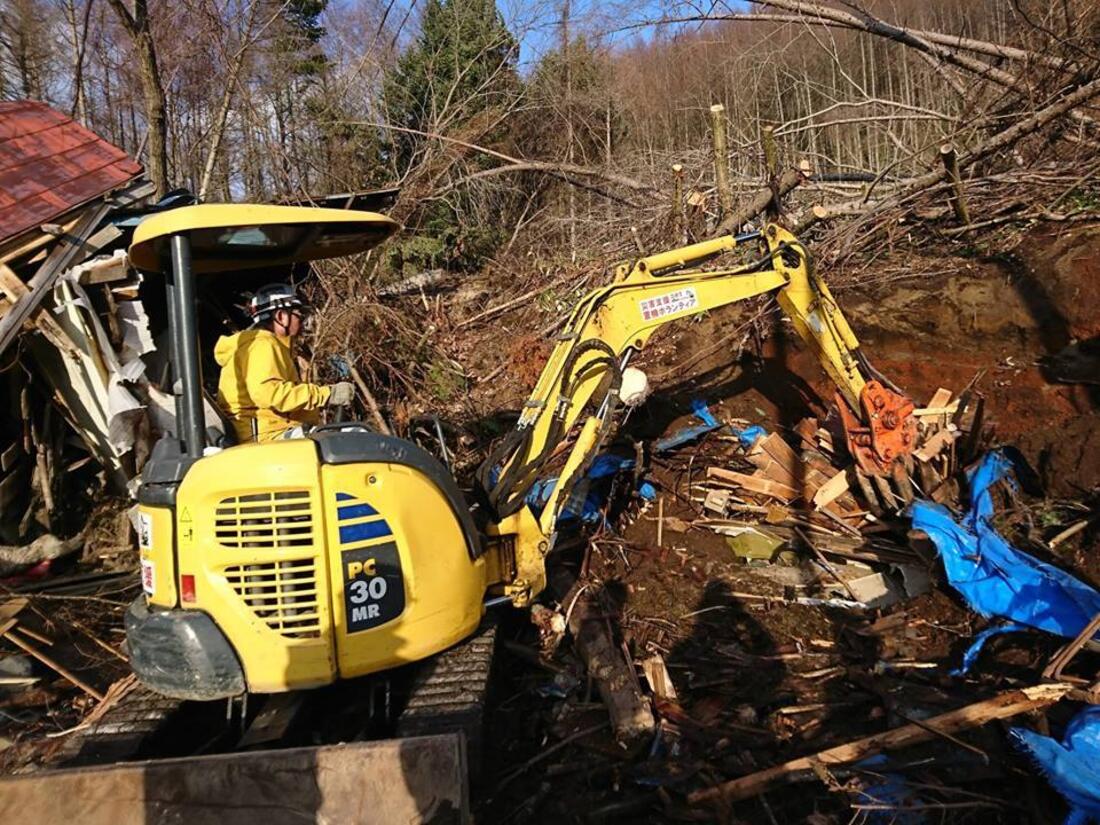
(457, 79)
(463, 64)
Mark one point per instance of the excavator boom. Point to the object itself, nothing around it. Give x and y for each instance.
(583, 374)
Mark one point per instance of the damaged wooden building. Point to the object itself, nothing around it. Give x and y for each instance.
(78, 407)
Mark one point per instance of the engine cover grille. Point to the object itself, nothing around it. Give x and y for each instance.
(270, 521)
(282, 594)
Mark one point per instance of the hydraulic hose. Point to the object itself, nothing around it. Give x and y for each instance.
(510, 491)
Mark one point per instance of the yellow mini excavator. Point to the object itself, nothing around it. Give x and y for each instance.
(289, 564)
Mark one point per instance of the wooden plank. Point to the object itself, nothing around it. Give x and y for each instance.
(11, 283)
(111, 269)
(925, 412)
(779, 462)
(10, 634)
(411, 780)
(28, 242)
(770, 468)
(1002, 706)
(105, 235)
(660, 680)
(11, 608)
(774, 458)
(780, 451)
(10, 456)
(935, 445)
(16, 290)
(755, 484)
(831, 490)
(940, 397)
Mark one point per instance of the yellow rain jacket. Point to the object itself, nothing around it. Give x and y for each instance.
(259, 381)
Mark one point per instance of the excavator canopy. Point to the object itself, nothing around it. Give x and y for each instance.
(226, 237)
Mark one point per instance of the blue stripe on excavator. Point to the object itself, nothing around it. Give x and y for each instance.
(363, 532)
(353, 511)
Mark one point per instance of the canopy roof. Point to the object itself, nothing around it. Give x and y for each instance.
(226, 237)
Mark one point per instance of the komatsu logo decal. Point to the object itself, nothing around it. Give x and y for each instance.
(374, 589)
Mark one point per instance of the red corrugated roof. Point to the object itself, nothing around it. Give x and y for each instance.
(49, 164)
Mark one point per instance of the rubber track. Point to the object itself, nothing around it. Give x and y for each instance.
(450, 690)
(123, 730)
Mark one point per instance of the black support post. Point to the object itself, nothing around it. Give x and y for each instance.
(188, 370)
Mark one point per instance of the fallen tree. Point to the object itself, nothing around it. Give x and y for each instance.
(1002, 141)
(945, 725)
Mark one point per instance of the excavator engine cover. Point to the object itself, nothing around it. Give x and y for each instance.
(288, 564)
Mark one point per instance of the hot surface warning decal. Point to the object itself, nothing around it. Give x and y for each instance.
(669, 303)
(374, 589)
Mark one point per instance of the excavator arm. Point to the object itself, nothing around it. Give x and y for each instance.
(583, 375)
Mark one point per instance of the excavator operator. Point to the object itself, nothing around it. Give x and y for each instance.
(259, 387)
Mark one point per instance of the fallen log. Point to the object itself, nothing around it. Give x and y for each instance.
(759, 202)
(630, 711)
(47, 547)
(1001, 706)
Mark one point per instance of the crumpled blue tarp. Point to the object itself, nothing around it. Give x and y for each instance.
(971, 654)
(750, 435)
(747, 436)
(688, 434)
(586, 500)
(890, 789)
(995, 578)
(1072, 766)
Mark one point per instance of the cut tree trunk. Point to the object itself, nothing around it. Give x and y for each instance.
(1002, 706)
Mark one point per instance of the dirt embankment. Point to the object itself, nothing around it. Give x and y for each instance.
(1027, 320)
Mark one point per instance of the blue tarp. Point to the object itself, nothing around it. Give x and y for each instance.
(688, 434)
(995, 578)
(586, 500)
(1072, 766)
(891, 789)
(709, 423)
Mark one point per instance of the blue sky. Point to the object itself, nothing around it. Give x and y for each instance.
(537, 23)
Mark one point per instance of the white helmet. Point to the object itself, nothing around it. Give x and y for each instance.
(267, 299)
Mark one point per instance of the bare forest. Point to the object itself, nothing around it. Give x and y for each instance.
(602, 138)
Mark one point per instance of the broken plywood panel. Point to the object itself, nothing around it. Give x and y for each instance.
(754, 484)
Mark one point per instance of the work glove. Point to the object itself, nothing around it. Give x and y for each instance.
(341, 394)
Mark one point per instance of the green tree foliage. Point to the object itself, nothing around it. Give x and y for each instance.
(302, 34)
(463, 64)
(458, 79)
(589, 106)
